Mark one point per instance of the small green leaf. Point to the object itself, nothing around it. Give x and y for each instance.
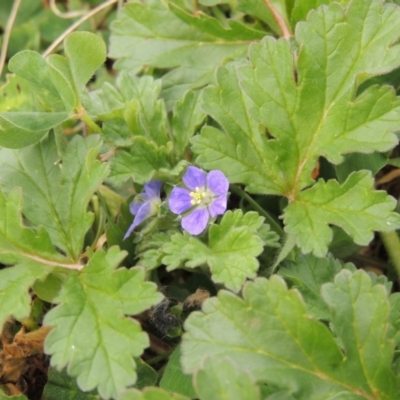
(146, 375)
(21, 129)
(186, 119)
(61, 75)
(233, 246)
(31, 66)
(307, 274)
(91, 335)
(141, 163)
(211, 382)
(354, 162)
(355, 207)
(301, 8)
(174, 380)
(60, 386)
(86, 52)
(260, 10)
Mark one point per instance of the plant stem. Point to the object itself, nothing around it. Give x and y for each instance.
(93, 127)
(279, 20)
(270, 220)
(7, 33)
(392, 245)
(90, 14)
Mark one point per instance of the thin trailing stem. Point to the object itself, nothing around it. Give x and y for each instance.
(271, 221)
(64, 15)
(392, 245)
(90, 14)
(279, 20)
(7, 33)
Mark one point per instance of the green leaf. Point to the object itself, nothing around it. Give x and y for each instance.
(21, 129)
(187, 117)
(231, 253)
(301, 8)
(142, 36)
(141, 163)
(360, 313)
(91, 335)
(211, 382)
(174, 380)
(307, 274)
(260, 10)
(150, 393)
(61, 75)
(60, 386)
(146, 375)
(278, 117)
(86, 52)
(269, 335)
(355, 207)
(32, 254)
(52, 74)
(31, 66)
(353, 162)
(56, 197)
(241, 151)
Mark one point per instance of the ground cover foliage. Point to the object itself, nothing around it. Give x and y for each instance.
(198, 200)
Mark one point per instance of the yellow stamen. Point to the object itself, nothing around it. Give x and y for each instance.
(197, 196)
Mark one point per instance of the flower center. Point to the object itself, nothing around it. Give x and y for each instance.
(199, 196)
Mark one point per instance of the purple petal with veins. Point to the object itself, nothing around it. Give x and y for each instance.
(196, 221)
(217, 183)
(218, 206)
(179, 200)
(194, 177)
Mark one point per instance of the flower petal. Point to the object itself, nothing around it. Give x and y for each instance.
(179, 200)
(135, 205)
(217, 182)
(142, 214)
(194, 177)
(196, 221)
(152, 189)
(218, 206)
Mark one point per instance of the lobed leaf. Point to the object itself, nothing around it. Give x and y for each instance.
(142, 36)
(92, 337)
(56, 197)
(307, 274)
(355, 207)
(32, 255)
(231, 253)
(269, 334)
(283, 109)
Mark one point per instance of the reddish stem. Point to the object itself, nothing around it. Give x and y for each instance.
(279, 20)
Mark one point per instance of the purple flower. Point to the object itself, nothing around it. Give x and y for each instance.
(205, 197)
(145, 205)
